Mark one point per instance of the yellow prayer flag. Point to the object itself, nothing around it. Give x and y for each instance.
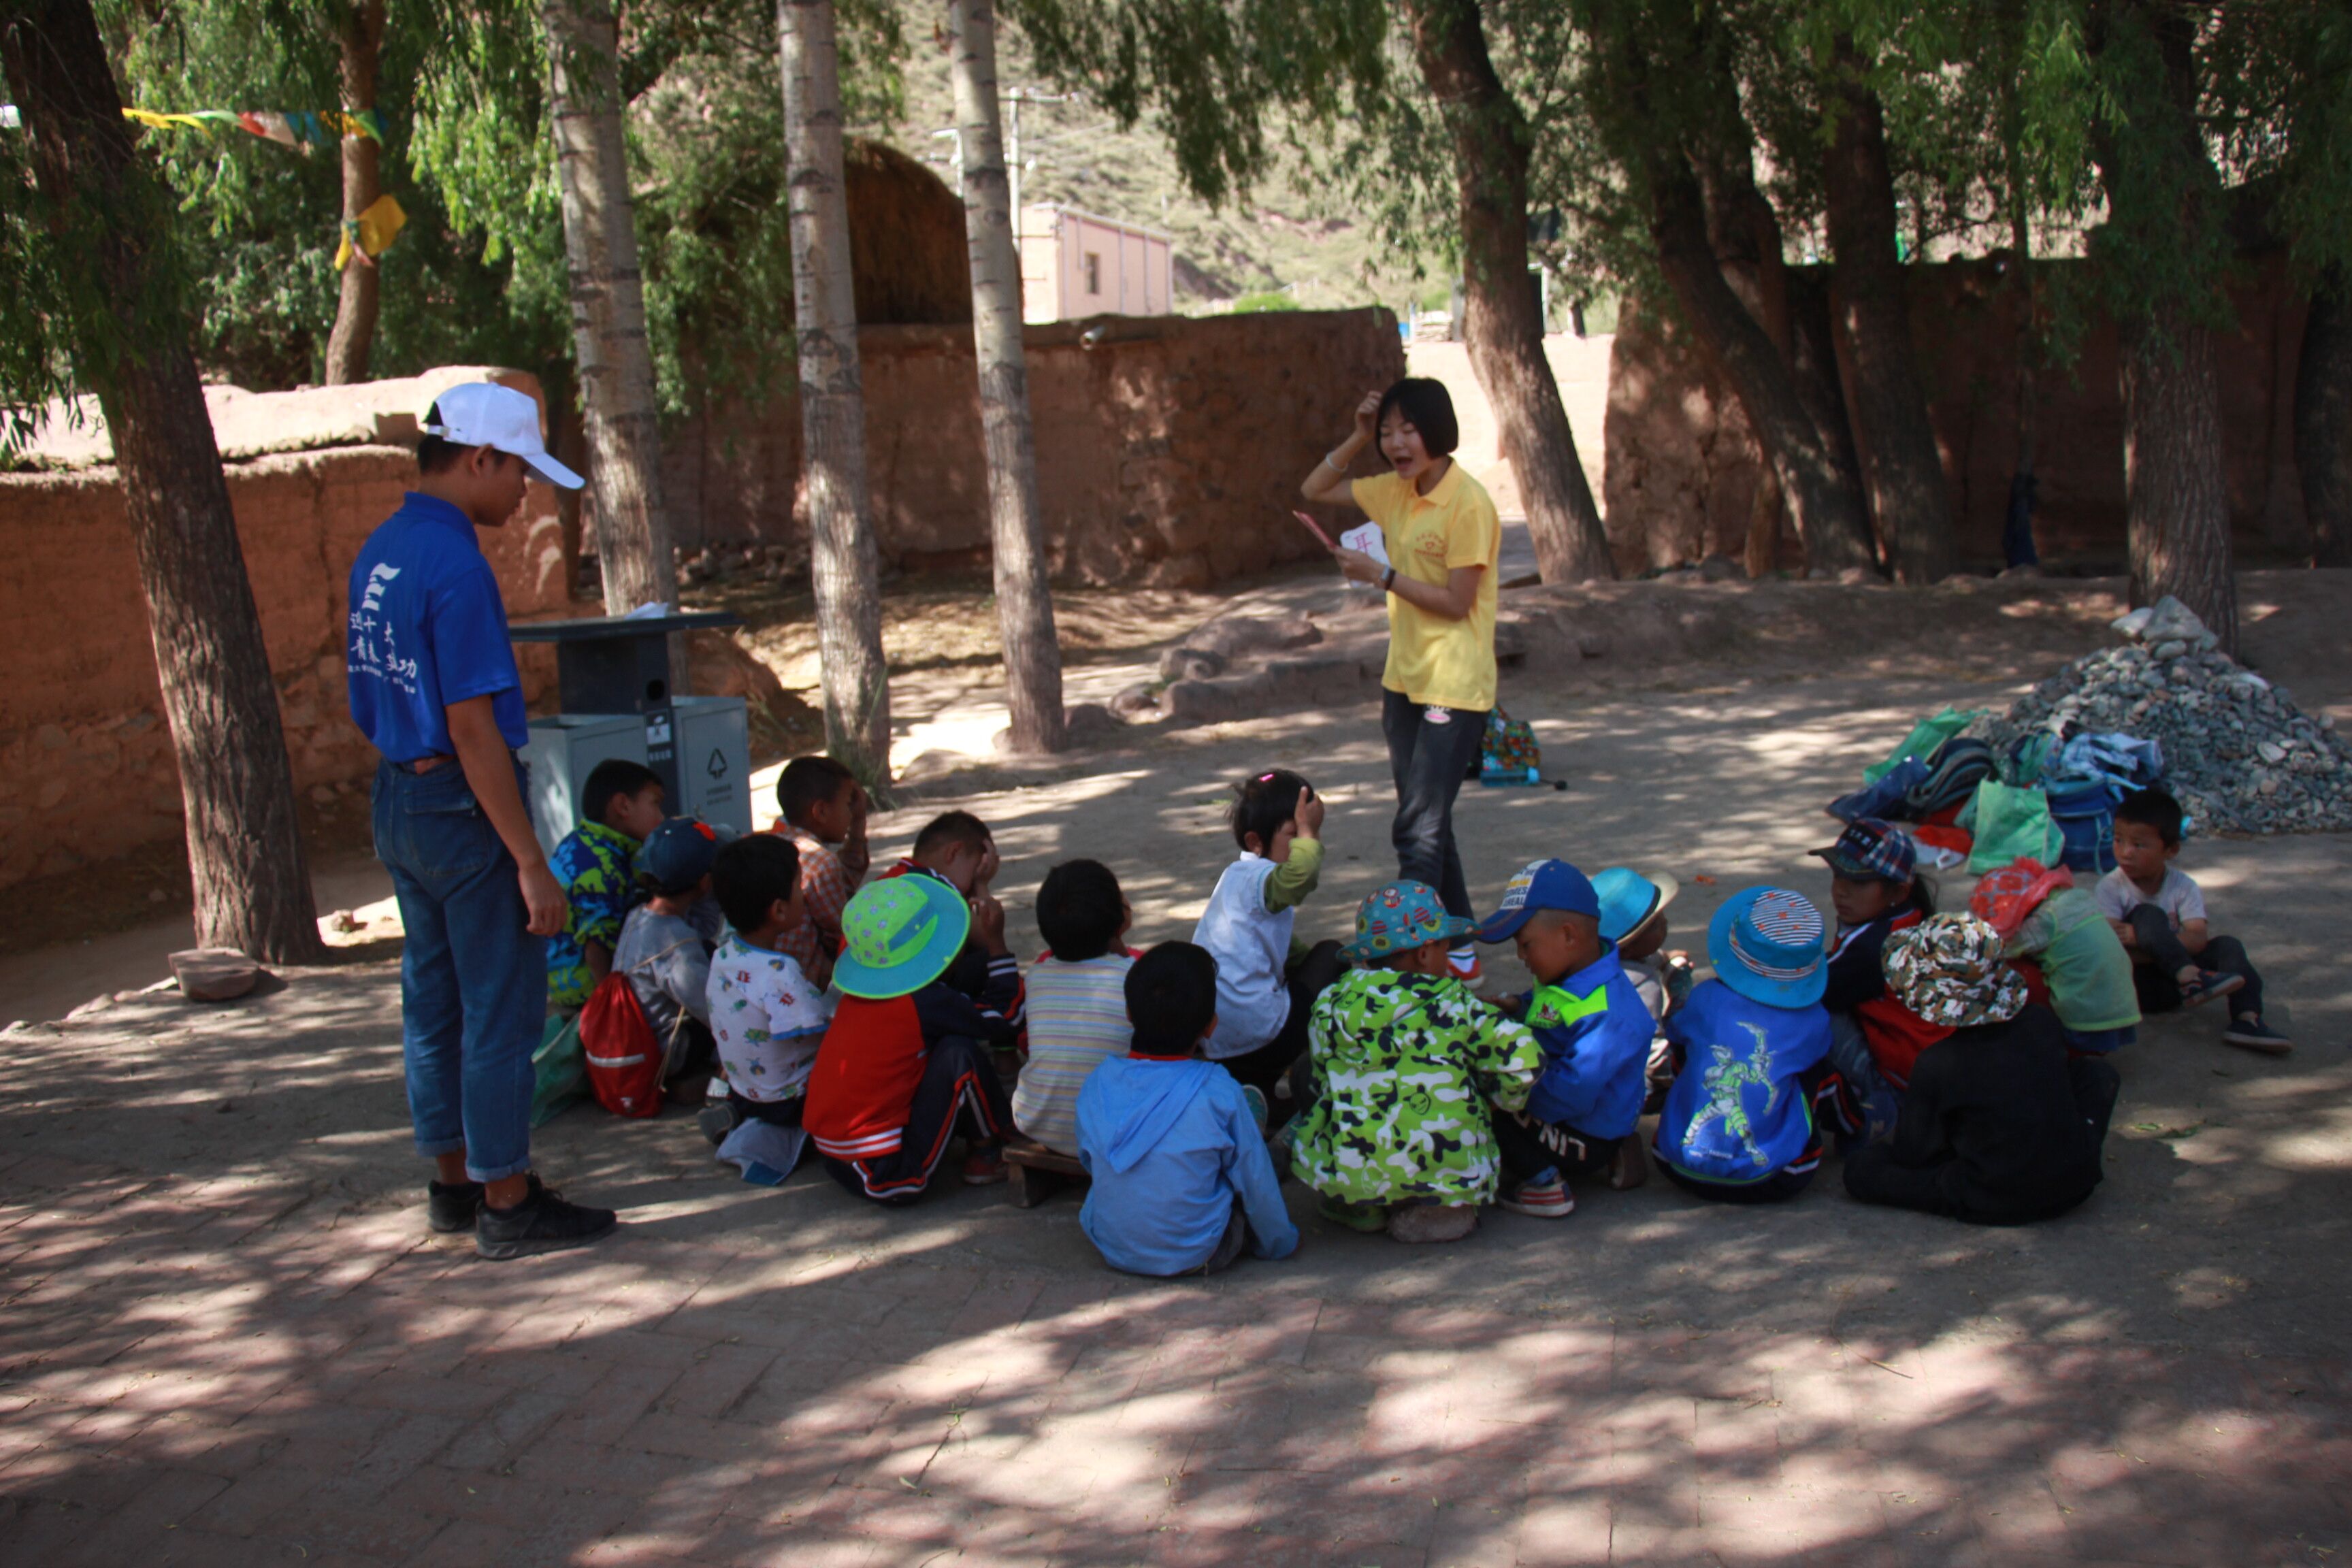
(372, 233)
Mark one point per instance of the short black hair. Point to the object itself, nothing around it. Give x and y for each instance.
(950, 828)
(1263, 803)
(1428, 407)
(1172, 995)
(610, 779)
(806, 782)
(751, 874)
(1080, 907)
(2154, 808)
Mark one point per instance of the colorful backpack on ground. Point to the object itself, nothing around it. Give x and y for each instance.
(1959, 765)
(1507, 753)
(624, 1058)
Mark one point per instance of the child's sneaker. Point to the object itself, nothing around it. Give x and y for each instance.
(2208, 985)
(2252, 1034)
(716, 1120)
(1433, 1222)
(1545, 1196)
(1255, 1098)
(985, 1168)
(1370, 1219)
(1465, 963)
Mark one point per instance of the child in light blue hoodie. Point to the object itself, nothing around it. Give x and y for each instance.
(1182, 1180)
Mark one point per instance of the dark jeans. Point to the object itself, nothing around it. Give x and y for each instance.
(1530, 1148)
(1306, 980)
(1428, 762)
(1873, 1176)
(959, 1092)
(2159, 992)
(473, 980)
(1230, 1245)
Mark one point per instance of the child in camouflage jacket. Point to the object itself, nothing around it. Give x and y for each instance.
(1405, 1061)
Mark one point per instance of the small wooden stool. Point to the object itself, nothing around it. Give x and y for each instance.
(1038, 1173)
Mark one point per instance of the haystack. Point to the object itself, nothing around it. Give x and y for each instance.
(907, 258)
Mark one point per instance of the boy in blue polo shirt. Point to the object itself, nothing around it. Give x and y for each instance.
(1594, 1029)
(434, 687)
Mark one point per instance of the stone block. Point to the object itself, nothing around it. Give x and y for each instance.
(214, 974)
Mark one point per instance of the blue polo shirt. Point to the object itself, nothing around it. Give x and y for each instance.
(427, 628)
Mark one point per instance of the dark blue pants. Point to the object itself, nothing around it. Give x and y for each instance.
(1429, 763)
(2159, 991)
(473, 980)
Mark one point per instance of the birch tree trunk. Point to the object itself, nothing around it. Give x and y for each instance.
(359, 31)
(1504, 327)
(608, 308)
(1025, 605)
(833, 499)
(245, 844)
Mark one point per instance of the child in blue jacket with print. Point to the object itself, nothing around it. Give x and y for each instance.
(1751, 1057)
(1594, 1029)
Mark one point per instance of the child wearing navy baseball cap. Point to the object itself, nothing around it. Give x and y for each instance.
(1595, 1030)
(1752, 1074)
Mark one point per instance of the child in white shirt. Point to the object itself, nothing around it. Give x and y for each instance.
(767, 1019)
(2159, 913)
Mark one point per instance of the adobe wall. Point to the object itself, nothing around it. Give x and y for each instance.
(1682, 463)
(1168, 454)
(86, 766)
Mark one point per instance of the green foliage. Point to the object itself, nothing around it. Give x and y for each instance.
(1271, 300)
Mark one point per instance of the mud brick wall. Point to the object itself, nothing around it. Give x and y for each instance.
(1169, 453)
(1682, 462)
(86, 766)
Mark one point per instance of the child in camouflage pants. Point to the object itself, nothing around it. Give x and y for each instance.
(1405, 1061)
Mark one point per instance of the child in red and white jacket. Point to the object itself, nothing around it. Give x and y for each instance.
(1877, 891)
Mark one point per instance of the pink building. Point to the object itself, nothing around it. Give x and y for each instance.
(1074, 264)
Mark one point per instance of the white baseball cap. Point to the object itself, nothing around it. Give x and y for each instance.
(484, 414)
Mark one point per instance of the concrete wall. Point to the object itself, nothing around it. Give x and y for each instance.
(1168, 454)
(1682, 463)
(86, 766)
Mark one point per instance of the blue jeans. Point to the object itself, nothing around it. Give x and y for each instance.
(1881, 1101)
(473, 980)
(1429, 763)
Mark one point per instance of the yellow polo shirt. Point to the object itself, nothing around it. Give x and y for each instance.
(1432, 660)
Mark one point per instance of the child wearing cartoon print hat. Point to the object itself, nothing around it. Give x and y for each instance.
(2000, 1126)
(1751, 1057)
(1406, 1061)
(904, 1065)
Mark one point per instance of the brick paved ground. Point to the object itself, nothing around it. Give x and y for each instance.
(226, 1337)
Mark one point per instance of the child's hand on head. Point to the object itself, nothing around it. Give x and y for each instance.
(1308, 816)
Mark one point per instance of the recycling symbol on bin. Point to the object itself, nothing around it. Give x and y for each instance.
(717, 766)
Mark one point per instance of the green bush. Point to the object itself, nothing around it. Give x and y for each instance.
(1271, 299)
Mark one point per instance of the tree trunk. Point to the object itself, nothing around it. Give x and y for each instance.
(842, 556)
(1505, 325)
(608, 308)
(1902, 469)
(1025, 605)
(2161, 187)
(1823, 501)
(244, 844)
(2323, 419)
(359, 28)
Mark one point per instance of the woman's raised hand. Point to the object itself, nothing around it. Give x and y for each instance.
(1368, 414)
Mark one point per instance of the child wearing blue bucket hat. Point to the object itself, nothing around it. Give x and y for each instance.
(1751, 1049)
(1594, 1032)
(905, 1064)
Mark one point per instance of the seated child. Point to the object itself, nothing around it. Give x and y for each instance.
(1751, 1057)
(662, 952)
(2052, 930)
(1181, 1179)
(1405, 1062)
(2001, 1125)
(905, 1064)
(620, 804)
(1595, 1033)
(1078, 1000)
(1877, 891)
(1267, 980)
(956, 849)
(766, 1015)
(823, 809)
(2159, 913)
(1634, 916)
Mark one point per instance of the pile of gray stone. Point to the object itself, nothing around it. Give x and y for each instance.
(2237, 754)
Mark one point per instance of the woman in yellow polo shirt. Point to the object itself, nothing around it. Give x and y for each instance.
(1443, 539)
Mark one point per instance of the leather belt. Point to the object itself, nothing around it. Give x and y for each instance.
(423, 764)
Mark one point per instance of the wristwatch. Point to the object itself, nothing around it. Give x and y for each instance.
(1388, 580)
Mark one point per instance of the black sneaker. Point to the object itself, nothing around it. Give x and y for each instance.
(716, 1120)
(450, 1207)
(2252, 1034)
(542, 1221)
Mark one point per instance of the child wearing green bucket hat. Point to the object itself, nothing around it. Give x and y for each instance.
(905, 1065)
(1752, 1076)
(2001, 1125)
(1406, 1061)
